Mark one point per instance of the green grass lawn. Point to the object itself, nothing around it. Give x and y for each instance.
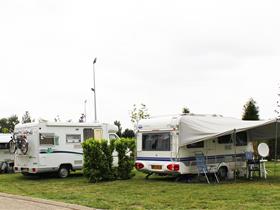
(155, 193)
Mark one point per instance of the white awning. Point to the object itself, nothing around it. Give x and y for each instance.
(199, 128)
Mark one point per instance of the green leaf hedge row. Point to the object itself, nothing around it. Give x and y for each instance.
(98, 159)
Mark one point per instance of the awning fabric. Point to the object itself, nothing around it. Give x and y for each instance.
(199, 128)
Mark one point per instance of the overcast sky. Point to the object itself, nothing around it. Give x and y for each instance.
(210, 56)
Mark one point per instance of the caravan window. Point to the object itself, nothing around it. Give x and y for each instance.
(73, 138)
(156, 142)
(225, 139)
(196, 145)
(241, 139)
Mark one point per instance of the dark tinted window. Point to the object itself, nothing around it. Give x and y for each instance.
(196, 145)
(225, 139)
(241, 139)
(88, 133)
(156, 142)
(4, 146)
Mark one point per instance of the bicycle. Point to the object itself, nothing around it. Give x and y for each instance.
(18, 142)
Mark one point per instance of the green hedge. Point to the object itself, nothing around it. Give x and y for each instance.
(98, 159)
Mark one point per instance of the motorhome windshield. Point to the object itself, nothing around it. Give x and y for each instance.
(156, 141)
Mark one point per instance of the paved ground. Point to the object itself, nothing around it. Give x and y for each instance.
(14, 202)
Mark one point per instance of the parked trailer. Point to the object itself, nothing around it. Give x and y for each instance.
(6, 159)
(55, 147)
(168, 145)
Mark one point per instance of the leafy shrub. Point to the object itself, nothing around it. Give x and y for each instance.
(98, 159)
(126, 157)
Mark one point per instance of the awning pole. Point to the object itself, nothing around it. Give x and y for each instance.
(234, 142)
(276, 139)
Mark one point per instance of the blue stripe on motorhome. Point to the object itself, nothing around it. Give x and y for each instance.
(68, 152)
(186, 159)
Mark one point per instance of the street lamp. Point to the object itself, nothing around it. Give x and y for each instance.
(94, 91)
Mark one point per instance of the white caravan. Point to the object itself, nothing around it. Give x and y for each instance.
(168, 145)
(55, 147)
(6, 159)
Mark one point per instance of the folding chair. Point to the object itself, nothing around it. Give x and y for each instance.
(252, 165)
(202, 167)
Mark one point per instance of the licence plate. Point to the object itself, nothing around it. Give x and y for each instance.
(24, 169)
(157, 167)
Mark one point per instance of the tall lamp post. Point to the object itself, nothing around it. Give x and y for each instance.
(94, 91)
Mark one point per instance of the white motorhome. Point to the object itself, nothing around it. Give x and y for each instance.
(168, 145)
(6, 159)
(55, 147)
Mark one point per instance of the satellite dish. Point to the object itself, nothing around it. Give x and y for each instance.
(263, 149)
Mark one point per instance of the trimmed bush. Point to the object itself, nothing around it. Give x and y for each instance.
(126, 157)
(98, 159)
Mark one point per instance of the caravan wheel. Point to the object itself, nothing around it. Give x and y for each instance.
(63, 172)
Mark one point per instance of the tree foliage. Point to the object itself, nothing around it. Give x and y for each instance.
(128, 133)
(7, 125)
(118, 124)
(277, 110)
(185, 110)
(26, 118)
(82, 118)
(251, 110)
(138, 113)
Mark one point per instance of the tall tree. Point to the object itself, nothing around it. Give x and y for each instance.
(7, 125)
(277, 110)
(118, 124)
(12, 121)
(251, 110)
(82, 119)
(4, 125)
(26, 118)
(138, 113)
(185, 110)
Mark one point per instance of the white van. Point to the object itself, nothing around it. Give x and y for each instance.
(54, 147)
(6, 159)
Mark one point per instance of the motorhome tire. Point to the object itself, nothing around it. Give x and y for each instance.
(222, 172)
(63, 171)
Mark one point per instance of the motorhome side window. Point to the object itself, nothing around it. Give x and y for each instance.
(47, 139)
(225, 139)
(73, 138)
(196, 145)
(241, 139)
(156, 142)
